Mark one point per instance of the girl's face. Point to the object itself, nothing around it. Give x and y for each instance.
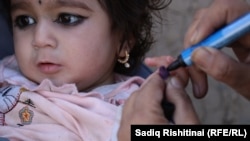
(66, 41)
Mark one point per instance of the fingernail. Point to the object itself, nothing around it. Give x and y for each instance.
(163, 72)
(197, 90)
(175, 82)
(194, 37)
(202, 57)
(148, 59)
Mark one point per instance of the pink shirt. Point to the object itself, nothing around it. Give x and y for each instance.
(45, 112)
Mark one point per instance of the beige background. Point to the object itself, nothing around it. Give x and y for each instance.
(221, 105)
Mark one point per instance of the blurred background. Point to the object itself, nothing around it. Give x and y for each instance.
(222, 105)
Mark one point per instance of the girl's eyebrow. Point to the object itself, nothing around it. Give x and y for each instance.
(20, 5)
(24, 4)
(72, 3)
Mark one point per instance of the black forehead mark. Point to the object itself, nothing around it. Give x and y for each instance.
(40, 2)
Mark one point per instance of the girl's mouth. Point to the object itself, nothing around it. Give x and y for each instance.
(49, 68)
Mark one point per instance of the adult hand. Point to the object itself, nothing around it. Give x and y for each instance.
(218, 65)
(159, 61)
(144, 105)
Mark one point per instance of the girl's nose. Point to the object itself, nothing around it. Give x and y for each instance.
(44, 36)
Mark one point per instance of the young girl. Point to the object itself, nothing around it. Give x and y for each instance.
(69, 76)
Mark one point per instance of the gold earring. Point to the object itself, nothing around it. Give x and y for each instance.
(125, 60)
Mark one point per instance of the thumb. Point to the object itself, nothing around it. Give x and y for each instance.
(223, 68)
(184, 110)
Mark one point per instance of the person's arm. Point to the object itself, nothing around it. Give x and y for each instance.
(218, 65)
(144, 105)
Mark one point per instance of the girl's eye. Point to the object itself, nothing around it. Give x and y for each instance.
(23, 21)
(69, 19)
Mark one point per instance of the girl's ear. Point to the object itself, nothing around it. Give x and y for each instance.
(124, 51)
(127, 46)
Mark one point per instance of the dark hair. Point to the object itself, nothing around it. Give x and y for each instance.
(135, 19)
(5, 10)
